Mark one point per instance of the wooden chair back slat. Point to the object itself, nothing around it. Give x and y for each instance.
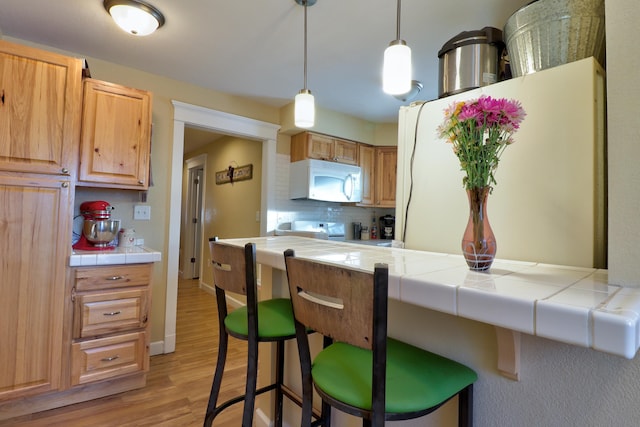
(334, 301)
(229, 267)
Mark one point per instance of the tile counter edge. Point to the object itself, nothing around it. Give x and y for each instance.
(134, 255)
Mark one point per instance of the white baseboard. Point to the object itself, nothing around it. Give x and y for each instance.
(156, 348)
(260, 419)
(207, 288)
(235, 303)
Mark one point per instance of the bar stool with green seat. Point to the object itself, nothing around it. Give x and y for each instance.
(363, 372)
(234, 270)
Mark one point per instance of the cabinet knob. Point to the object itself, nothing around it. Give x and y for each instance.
(141, 182)
(65, 171)
(65, 184)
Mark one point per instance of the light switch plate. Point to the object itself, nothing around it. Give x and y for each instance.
(142, 212)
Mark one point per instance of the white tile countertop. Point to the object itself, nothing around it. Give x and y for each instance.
(117, 255)
(568, 304)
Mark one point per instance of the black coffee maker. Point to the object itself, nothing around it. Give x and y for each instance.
(387, 226)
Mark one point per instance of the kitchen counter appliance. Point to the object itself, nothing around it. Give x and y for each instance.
(470, 60)
(387, 227)
(98, 229)
(325, 181)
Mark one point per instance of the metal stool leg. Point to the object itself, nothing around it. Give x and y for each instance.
(465, 407)
(277, 413)
(217, 378)
(252, 379)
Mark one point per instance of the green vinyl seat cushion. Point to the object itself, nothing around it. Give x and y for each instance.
(275, 319)
(416, 379)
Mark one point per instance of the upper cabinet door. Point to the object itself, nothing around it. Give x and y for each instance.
(386, 172)
(309, 145)
(40, 101)
(116, 136)
(367, 158)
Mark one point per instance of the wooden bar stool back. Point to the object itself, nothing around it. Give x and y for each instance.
(234, 270)
(363, 372)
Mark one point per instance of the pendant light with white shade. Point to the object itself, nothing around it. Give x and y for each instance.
(305, 110)
(396, 73)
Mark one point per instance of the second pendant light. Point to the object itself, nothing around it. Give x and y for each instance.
(396, 73)
(305, 110)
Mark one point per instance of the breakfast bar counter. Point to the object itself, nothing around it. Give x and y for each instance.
(567, 304)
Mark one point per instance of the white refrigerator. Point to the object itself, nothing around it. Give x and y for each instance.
(549, 204)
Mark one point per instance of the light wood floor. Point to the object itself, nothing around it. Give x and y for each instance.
(178, 384)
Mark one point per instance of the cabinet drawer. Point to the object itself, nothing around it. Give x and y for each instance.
(109, 277)
(99, 313)
(109, 357)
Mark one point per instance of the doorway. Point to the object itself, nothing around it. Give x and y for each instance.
(192, 220)
(220, 122)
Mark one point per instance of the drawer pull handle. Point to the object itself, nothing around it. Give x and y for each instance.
(110, 359)
(115, 278)
(112, 313)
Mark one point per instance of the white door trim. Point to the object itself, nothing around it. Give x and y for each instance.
(221, 122)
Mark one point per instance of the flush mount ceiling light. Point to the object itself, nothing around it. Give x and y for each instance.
(396, 72)
(134, 16)
(305, 110)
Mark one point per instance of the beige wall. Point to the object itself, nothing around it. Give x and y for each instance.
(348, 127)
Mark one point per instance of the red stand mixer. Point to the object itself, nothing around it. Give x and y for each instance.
(98, 229)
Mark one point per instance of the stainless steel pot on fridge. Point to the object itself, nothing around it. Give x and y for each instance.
(470, 60)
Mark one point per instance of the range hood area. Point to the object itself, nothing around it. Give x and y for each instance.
(314, 229)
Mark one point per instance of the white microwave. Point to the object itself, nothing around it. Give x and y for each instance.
(325, 181)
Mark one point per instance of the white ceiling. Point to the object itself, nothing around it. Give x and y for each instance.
(255, 48)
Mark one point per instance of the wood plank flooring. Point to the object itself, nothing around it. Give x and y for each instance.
(178, 384)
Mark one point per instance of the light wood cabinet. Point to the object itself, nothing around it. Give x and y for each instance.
(386, 175)
(98, 313)
(309, 145)
(115, 143)
(40, 101)
(35, 234)
(110, 322)
(379, 171)
(40, 104)
(367, 157)
(45, 350)
(105, 358)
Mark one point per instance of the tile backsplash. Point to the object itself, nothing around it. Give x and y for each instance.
(311, 210)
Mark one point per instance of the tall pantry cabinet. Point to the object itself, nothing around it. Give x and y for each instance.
(40, 106)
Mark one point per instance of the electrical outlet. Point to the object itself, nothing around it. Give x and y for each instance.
(142, 212)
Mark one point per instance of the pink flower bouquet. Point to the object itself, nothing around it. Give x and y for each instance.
(480, 130)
